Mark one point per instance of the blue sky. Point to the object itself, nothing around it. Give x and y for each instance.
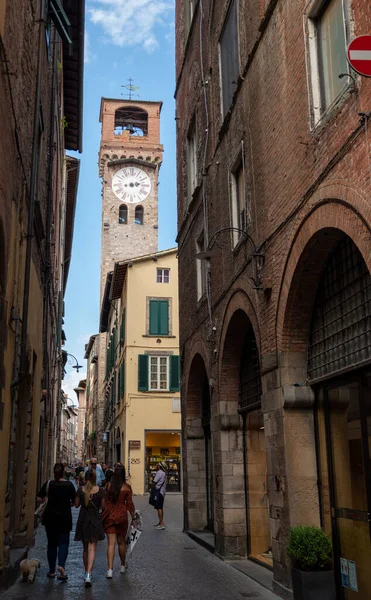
(124, 38)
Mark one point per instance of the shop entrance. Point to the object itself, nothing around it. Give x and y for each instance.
(344, 431)
(259, 542)
(163, 446)
(340, 341)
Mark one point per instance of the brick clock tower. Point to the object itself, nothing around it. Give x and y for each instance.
(130, 157)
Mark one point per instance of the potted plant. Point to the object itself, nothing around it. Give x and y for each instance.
(311, 552)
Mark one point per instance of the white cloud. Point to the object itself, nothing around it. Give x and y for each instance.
(131, 22)
(88, 53)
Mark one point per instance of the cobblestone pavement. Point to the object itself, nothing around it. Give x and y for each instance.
(165, 564)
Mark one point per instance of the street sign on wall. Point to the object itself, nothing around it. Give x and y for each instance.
(359, 55)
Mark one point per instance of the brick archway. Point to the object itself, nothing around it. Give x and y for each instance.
(313, 242)
(239, 325)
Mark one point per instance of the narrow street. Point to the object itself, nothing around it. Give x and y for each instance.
(165, 564)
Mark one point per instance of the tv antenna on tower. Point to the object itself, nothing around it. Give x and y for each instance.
(131, 89)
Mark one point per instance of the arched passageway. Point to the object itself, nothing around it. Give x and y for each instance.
(199, 456)
(240, 387)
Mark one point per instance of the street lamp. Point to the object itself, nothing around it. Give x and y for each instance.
(70, 358)
(257, 254)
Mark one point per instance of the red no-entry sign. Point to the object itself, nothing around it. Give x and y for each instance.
(359, 55)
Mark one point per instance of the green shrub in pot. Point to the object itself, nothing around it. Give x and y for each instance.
(310, 548)
(311, 552)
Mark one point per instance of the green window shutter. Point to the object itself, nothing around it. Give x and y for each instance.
(143, 372)
(159, 317)
(122, 378)
(164, 317)
(174, 373)
(153, 317)
(123, 326)
(114, 390)
(119, 386)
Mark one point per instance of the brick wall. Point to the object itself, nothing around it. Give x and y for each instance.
(306, 186)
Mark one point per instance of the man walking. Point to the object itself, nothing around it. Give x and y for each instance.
(100, 477)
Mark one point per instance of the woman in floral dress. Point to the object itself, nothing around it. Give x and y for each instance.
(118, 504)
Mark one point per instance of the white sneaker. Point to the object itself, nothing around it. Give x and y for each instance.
(160, 527)
(109, 574)
(123, 569)
(87, 580)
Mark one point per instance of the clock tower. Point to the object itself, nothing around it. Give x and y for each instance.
(130, 157)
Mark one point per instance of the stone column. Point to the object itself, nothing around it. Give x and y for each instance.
(230, 506)
(195, 475)
(291, 458)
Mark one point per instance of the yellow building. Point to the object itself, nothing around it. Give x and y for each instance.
(142, 418)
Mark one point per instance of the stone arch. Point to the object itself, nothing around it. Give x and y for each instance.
(197, 433)
(237, 338)
(322, 229)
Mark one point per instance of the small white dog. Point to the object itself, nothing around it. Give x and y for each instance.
(28, 568)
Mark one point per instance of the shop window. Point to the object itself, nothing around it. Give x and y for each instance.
(139, 215)
(158, 373)
(163, 276)
(123, 214)
(229, 59)
(260, 543)
(326, 29)
(159, 317)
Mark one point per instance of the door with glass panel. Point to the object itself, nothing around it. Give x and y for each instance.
(344, 419)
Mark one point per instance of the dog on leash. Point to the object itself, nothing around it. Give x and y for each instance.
(28, 568)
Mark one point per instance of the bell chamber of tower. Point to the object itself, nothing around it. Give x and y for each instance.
(130, 157)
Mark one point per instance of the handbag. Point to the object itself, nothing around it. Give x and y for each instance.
(154, 496)
(39, 512)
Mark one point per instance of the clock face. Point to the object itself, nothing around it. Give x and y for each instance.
(131, 185)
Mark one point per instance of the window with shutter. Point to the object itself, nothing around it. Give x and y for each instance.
(159, 373)
(122, 327)
(143, 372)
(159, 317)
(229, 59)
(122, 379)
